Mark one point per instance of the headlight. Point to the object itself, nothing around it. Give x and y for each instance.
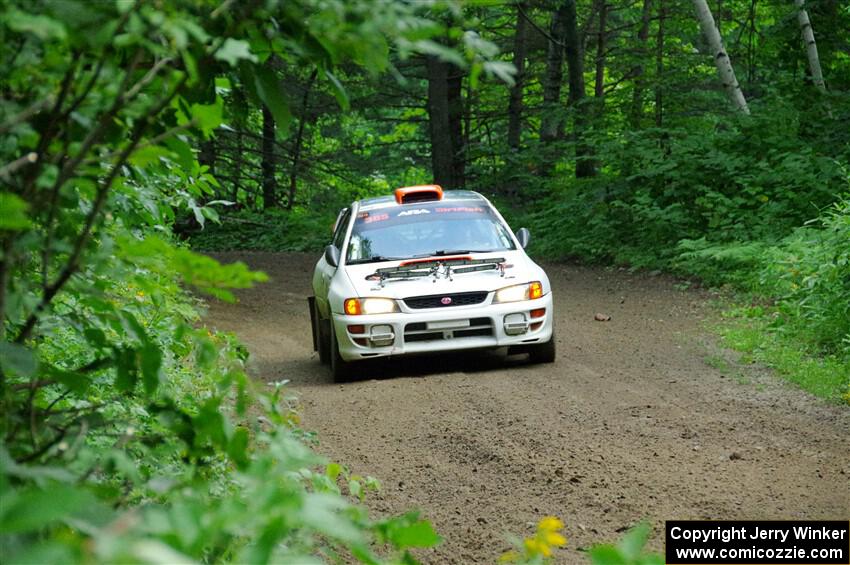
(519, 292)
(358, 306)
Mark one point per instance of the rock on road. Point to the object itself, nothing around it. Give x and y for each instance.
(629, 424)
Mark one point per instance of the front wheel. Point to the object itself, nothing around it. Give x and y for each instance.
(542, 352)
(340, 368)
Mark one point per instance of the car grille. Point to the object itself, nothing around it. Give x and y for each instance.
(436, 300)
(478, 327)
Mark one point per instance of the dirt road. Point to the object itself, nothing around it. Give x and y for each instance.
(630, 423)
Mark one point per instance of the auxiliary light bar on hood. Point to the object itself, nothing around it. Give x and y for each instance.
(438, 268)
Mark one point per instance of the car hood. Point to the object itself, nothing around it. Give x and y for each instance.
(518, 269)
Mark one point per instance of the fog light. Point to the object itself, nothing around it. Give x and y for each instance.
(357, 329)
(538, 312)
(381, 335)
(515, 324)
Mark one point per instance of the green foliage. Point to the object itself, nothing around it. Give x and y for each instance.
(132, 433)
(629, 551)
(275, 230)
(149, 446)
(13, 212)
(755, 180)
(751, 330)
(806, 277)
(729, 206)
(809, 274)
(802, 325)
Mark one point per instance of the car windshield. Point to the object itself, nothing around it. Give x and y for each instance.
(424, 230)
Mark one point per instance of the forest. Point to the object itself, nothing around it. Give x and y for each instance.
(708, 140)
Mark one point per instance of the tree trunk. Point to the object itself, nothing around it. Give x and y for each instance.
(636, 112)
(239, 112)
(207, 155)
(598, 85)
(515, 101)
(752, 31)
(719, 20)
(454, 91)
(721, 58)
(585, 167)
(468, 111)
(299, 141)
(659, 66)
(811, 46)
(267, 165)
(439, 122)
(601, 39)
(237, 166)
(550, 122)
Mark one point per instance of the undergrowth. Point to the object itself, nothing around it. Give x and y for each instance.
(741, 209)
(272, 230)
(801, 283)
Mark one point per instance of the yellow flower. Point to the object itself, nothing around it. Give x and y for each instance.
(550, 524)
(541, 544)
(535, 547)
(555, 539)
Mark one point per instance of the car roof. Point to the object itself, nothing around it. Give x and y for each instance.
(388, 201)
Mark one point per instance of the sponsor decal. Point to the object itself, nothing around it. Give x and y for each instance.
(413, 212)
(376, 218)
(467, 209)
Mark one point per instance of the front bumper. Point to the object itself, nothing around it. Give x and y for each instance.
(444, 329)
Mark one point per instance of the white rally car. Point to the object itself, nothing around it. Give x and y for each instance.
(425, 271)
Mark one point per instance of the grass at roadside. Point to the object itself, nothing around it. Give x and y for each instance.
(749, 330)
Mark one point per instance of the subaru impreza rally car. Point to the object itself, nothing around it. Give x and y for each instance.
(425, 271)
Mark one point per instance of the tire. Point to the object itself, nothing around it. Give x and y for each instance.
(542, 352)
(322, 330)
(341, 370)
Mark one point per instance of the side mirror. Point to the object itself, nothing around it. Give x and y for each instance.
(332, 255)
(523, 236)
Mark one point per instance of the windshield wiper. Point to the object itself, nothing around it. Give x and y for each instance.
(374, 259)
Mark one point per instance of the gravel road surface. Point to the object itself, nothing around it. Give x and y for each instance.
(629, 424)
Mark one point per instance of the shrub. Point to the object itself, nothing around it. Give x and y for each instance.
(272, 230)
(152, 443)
(809, 274)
